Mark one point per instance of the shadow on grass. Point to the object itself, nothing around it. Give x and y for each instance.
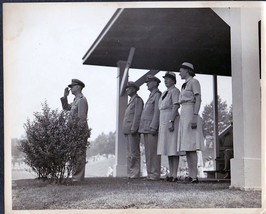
(120, 193)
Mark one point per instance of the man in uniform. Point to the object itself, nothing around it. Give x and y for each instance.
(149, 124)
(130, 130)
(78, 110)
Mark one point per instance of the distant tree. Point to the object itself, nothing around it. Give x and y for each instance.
(14, 148)
(103, 144)
(15, 153)
(224, 117)
(231, 113)
(52, 144)
(207, 117)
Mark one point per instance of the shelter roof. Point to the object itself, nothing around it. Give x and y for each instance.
(163, 38)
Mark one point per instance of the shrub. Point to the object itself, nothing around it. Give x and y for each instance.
(53, 143)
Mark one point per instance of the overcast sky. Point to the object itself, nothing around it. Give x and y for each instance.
(43, 49)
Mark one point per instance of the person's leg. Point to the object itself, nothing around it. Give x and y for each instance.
(170, 162)
(175, 166)
(128, 155)
(154, 159)
(147, 154)
(192, 161)
(79, 169)
(135, 156)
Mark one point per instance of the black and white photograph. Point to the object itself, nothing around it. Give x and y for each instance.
(137, 107)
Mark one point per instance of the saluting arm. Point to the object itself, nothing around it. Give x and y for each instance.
(65, 104)
(64, 100)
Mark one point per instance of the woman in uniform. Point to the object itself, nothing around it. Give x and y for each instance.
(190, 135)
(168, 127)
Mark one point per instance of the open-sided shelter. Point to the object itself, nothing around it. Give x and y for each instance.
(222, 41)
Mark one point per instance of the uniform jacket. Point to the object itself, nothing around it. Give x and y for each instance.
(132, 115)
(150, 115)
(78, 108)
(188, 92)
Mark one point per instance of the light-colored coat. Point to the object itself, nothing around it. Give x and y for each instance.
(131, 125)
(78, 108)
(150, 120)
(150, 115)
(132, 115)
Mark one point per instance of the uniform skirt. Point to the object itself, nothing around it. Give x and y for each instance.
(189, 139)
(166, 139)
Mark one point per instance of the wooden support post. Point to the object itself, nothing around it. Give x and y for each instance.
(215, 121)
(125, 74)
(120, 167)
(246, 165)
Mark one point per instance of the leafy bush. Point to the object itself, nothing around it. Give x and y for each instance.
(53, 143)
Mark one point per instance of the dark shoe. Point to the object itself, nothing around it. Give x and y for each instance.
(134, 177)
(169, 179)
(174, 179)
(153, 179)
(194, 181)
(188, 179)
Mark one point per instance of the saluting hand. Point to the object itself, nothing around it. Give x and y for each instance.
(66, 92)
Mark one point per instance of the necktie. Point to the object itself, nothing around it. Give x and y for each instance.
(165, 95)
(184, 85)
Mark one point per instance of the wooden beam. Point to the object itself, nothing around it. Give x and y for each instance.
(125, 75)
(142, 79)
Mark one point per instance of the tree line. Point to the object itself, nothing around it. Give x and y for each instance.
(103, 144)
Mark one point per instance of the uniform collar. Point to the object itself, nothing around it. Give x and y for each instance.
(78, 96)
(188, 79)
(132, 98)
(154, 92)
(171, 88)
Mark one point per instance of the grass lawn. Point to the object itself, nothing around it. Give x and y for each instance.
(120, 193)
(93, 169)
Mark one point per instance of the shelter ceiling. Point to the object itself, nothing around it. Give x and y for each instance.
(163, 38)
